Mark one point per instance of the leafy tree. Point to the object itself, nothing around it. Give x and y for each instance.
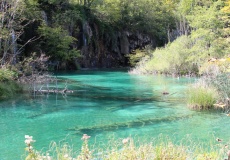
(57, 43)
(207, 29)
(152, 17)
(226, 19)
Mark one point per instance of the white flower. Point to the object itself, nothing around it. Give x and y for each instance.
(29, 139)
(27, 136)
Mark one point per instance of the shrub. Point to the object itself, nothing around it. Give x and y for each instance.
(173, 59)
(136, 56)
(9, 89)
(6, 74)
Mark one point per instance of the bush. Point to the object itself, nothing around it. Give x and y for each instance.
(136, 56)
(6, 74)
(201, 97)
(173, 59)
(9, 89)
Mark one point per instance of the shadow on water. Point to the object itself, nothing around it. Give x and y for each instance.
(126, 102)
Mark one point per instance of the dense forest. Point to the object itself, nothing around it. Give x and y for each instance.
(81, 33)
(102, 33)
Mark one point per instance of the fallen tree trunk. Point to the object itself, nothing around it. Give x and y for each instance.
(130, 124)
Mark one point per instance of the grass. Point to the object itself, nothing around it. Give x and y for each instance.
(127, 149)
(212, 89)
(201, 97)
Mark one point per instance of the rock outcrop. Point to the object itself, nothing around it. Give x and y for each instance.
(108, 49)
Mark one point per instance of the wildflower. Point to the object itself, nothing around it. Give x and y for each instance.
(85, 137)
(29, 140)
(125, 141)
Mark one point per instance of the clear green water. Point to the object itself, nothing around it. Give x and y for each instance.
(105, 98)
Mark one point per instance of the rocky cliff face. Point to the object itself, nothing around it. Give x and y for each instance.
(108, 49)
(101, 45)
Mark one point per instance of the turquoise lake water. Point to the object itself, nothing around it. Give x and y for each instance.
(106, 98)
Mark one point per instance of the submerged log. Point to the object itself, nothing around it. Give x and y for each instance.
(54, 91)
(129, 124)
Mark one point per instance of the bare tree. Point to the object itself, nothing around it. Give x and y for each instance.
(11, 29)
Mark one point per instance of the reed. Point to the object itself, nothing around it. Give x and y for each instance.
(161, 148)
(201, 97)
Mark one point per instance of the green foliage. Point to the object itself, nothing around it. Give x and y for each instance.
(173, 59)
(185, 6)
(201, 97)
(57, 43)
(135, 57)
(7, 75)
(9, 89)
(206, 21)
(209, 38)
(207, 28)
(152, 17)
(70, 17)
